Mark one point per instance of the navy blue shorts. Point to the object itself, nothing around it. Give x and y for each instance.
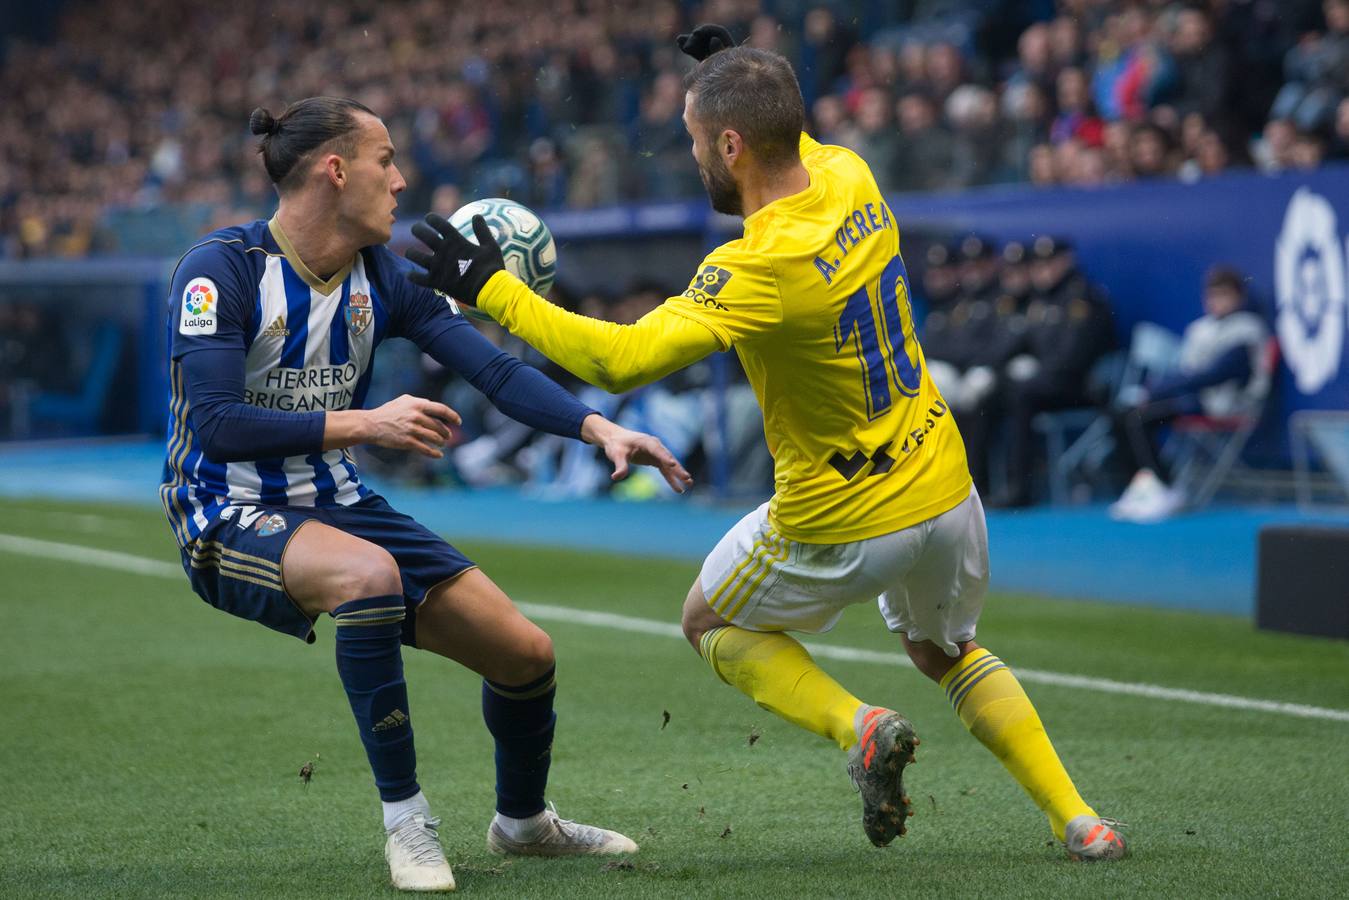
(235, 564)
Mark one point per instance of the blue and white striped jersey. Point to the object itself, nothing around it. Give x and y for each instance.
(309, 345)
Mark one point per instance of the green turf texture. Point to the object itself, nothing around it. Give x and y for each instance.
(151, 746)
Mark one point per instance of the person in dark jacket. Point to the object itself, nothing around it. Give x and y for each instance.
(1068, 328)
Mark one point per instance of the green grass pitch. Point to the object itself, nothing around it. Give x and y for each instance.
(150, 746)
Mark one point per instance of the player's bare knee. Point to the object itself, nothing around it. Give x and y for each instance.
(372, 573)
(930, 659)
(691, 617)
(530, 658)
(693, 632)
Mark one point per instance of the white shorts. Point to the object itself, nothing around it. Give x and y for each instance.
(929, 579)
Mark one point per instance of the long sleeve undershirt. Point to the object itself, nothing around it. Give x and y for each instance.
(234, 431)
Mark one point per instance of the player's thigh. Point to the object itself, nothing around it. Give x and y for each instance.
(759, 580)
(697, 617)
(941, 595)
(236, 564)
(470, 620)
(324, 567)
(424, 558)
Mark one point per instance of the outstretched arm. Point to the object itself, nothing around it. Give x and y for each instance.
(615, 357)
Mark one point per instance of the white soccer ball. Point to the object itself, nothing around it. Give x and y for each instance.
(526, 243)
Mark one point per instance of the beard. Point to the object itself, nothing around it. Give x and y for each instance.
(721, 188)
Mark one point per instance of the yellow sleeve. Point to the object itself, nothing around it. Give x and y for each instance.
(735, 295)
(615, 357)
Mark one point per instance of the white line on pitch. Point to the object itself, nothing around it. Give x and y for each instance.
(139, 565)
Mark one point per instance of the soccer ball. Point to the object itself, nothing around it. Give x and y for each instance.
(526, 243)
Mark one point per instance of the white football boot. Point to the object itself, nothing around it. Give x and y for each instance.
(416, 860)
(1092, 838)
(552, 835)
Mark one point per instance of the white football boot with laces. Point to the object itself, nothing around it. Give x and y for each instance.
(552, 835)
(416, 860)
(1092, 838)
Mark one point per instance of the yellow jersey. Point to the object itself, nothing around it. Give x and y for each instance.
(815, 301)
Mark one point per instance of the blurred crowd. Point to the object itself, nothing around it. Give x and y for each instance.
(706, 417)
(142, 108)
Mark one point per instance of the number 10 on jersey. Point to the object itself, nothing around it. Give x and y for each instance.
(881, 335)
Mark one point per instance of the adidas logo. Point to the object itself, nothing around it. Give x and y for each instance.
(277, 328)
(392, 720)
(463, 266)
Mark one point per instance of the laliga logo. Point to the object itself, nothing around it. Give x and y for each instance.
(1309, 280)
(199, 298)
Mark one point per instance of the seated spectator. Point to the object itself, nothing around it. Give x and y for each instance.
(1273, 150)
(927, 149)
(875, 138)
(1077, 116)
(1150, 152)
(1068, 328)
(979, 136)
(1202, 67)
(1339, 148)
(1220, 374)
(1317, 69)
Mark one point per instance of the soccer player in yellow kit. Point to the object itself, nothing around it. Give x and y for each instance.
(873, 493)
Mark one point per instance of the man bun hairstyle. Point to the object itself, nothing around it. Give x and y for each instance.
(755, 93)
(302, 129)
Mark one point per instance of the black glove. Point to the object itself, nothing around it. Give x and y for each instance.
(455, 265)
(704, 41)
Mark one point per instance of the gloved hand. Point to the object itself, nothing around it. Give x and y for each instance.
(454, 265)
(704, 41)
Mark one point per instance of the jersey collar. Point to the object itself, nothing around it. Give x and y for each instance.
(801, 198)
(288, 250)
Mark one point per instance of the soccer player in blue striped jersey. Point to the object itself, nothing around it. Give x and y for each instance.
(272, 331)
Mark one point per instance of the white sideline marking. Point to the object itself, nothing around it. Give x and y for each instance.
(126, 562)
(92, 556)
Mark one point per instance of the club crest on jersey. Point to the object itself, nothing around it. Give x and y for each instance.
(359, 313)
(201, 305)
(270, 525)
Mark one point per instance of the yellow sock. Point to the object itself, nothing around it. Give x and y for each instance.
(779, 675)
(991, 703)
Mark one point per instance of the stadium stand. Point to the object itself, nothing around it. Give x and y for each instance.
(577, 103)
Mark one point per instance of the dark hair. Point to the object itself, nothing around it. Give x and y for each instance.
(1226, 276)
(754, 92)
(304, 127)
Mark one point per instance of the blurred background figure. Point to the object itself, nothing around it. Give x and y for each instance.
(1221, 372)
(1067, 329)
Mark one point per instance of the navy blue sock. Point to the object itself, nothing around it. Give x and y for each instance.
(370, 663)
(521, 719)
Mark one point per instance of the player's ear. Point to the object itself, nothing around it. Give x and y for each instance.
(335, 169)
(730, 145)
